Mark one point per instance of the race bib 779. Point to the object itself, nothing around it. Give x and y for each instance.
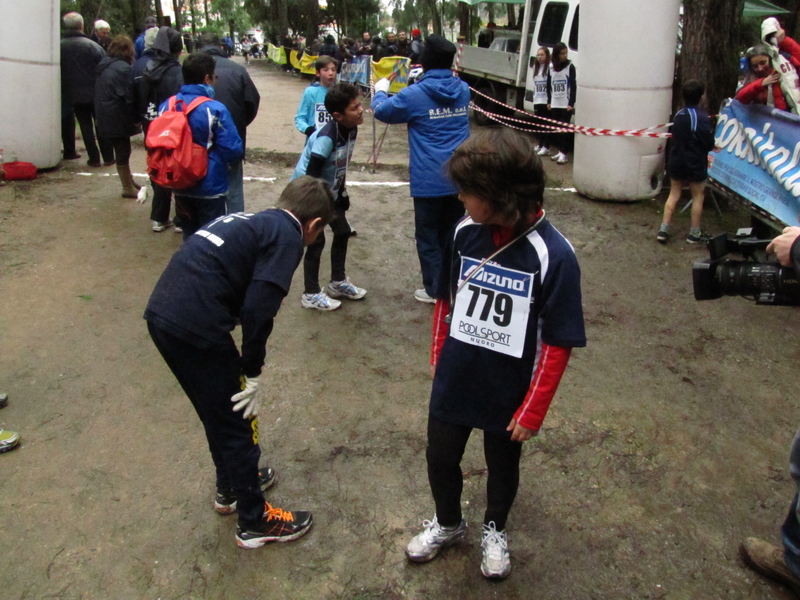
(492, 309)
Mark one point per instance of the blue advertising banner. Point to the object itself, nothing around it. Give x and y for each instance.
(760, 157)
(356, 71)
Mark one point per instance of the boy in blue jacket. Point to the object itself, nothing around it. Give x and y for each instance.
(436, 110)
(312, 114)
(213, 128)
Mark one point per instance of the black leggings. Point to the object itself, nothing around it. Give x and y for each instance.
(446, 443)
(341, 235)
(565, 142)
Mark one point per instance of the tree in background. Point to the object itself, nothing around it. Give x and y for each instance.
(707, 52)
(124, 16)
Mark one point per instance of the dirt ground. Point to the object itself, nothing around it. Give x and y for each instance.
(666, 445)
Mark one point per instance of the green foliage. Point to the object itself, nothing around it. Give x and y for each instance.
(222, 12)
(125, 16)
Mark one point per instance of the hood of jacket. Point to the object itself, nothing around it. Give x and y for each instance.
(105, 63)
(155, 69)
(197, 89)
(440, 85)
(768, 28)
(213, 51)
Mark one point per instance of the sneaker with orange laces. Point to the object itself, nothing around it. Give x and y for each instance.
(279, 525)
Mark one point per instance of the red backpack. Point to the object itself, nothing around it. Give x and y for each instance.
(173, 159)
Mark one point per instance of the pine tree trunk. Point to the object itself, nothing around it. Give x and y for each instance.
(463, 21)
(512, 21)
(312, 24)
(159, 12)
(436, 16)
(707, 53)
(176, 6)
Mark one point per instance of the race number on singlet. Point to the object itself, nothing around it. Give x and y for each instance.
(492, 309)
(321, 115)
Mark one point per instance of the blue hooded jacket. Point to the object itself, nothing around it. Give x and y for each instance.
(437, 112)
(307, 111)
(212, 127)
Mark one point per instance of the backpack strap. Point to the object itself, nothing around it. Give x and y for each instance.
(174, 101)
(196, 102)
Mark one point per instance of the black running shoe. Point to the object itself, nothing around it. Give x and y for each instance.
(703, 238)
(279, 526)
(225, 500)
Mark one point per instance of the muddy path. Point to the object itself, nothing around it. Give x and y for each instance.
(666, 445)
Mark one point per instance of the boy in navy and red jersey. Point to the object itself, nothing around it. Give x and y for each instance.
(692, 140)
(238, 267)
(508, 313)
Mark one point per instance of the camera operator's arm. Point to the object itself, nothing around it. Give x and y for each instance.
(786, 248)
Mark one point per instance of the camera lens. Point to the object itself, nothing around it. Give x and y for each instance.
(767, 283)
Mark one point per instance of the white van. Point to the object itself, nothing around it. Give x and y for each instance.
(505, 70)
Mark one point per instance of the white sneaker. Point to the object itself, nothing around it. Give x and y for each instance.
(543, 151)
(556, 156)
(425, 546)
(158, 227)
(423, 296)
(537, 148)
(562, 159)
(345, 289)
(320, 301)
(496, 562)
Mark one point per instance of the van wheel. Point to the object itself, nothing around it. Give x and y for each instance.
(489, 106)
(484, 103)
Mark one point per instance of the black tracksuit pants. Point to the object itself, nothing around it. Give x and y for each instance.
(210, 377)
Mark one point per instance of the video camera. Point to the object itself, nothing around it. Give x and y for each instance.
(766, 282)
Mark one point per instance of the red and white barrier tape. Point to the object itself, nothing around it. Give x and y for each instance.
(561, 126)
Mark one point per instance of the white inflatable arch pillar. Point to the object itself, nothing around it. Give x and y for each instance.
(627, 63)
(30, 82)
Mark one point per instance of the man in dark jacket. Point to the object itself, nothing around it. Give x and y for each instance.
(436, 110)
(330, 48)
(365, 47)
(378, 49)
(102, 34)
(160, 79)
(391, 44)
(403, 45)
(79, 59)
(236, 90)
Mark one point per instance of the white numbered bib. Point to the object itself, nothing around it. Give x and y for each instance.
(560, 93)
(492, 309)
(540, 89)
(321, 115)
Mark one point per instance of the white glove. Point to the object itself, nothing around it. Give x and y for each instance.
(141, 197)
(247, 398)
(382, 85)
